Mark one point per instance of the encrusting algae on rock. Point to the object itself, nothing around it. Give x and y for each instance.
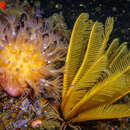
(38, 89)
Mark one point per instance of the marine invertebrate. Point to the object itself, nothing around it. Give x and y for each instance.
(95, 76)
(27, 58)
(32, 60)
(31, 65)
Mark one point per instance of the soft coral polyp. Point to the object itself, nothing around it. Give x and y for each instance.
(21, 64)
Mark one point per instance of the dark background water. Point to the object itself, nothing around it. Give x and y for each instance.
(97, 9)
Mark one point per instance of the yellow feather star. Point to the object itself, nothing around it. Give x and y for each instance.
(95, 75)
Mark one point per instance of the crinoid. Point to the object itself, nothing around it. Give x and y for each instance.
(96, 75)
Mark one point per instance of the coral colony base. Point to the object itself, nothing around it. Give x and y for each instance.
(32, 58)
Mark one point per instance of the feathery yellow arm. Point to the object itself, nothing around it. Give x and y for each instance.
(118, 56)
(116, 52)
(108, 29)
(91, 55)
(92, 52)
(111, 49)
(117, 63)
(96, 46)
(86, 82)
(104, 112)
(106, 92)
(76, 49)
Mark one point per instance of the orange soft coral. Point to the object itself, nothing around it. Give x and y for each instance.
(32, 57)
(21, 65)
